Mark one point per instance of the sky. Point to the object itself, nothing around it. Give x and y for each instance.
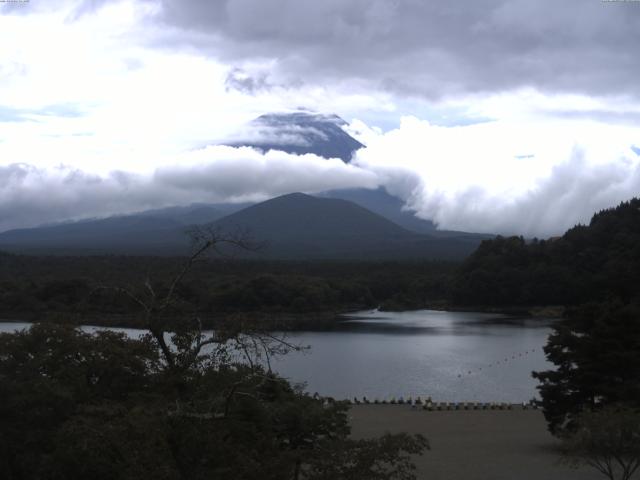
(498, 116)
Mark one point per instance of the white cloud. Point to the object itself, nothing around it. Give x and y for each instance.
(531, 178)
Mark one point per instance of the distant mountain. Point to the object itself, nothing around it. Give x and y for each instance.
(302, 226)
(159, 231)
(188, 215)
(300, 215)
(392, 208)
(382, 203)
(300, 133)
(197, 213)
(294, 226)
(126, 234)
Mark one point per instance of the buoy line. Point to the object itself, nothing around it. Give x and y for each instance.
(500, 362)
(428, 404)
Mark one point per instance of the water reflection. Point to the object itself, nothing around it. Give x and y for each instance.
(435, 322)
(450, 356)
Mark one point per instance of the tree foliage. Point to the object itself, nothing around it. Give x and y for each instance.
(596, 353)
(588, 263)
(105, 406)
(607, 440)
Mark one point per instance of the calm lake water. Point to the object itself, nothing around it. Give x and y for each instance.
(450, 356)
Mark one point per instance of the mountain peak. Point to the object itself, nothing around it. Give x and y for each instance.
(296, 195)
(301, 133)
(290, 118)
(293, 197)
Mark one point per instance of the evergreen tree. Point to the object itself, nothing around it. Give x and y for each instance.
(596, 353)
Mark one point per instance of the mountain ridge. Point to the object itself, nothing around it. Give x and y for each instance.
(294, 226)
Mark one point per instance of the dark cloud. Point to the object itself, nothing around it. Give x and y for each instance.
(426, 47)
(239, 79)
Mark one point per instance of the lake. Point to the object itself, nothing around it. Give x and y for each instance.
(450, 356)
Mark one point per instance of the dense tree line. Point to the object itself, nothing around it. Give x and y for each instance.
(588, 263)
(34, 287)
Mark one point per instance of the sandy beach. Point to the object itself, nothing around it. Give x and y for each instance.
(473, 444)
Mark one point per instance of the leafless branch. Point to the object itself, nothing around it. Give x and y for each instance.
(204, 239)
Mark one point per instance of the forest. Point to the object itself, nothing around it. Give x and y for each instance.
(590, 262)
(50, 287)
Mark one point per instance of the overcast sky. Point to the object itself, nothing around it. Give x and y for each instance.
(505, 116)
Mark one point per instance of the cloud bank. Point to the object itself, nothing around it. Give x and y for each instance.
(31, 196)
(529, 178)
(532, 179)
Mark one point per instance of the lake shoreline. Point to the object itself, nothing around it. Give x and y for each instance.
(318, 321)
(313, 321)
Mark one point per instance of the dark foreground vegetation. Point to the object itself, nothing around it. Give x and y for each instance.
(79, 406)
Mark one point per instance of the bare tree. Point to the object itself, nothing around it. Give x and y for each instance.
(182, 341)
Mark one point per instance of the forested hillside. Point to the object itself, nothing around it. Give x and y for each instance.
(589, 262)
